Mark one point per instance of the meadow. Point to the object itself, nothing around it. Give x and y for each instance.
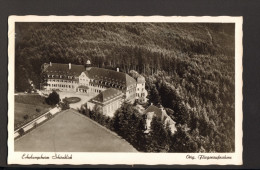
(28, 107)
(70, 131)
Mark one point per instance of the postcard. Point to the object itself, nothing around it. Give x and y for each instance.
(150, 90)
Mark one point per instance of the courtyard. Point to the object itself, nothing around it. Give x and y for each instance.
(70, 131)
(84, 98)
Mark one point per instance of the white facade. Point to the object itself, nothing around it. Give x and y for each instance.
(83, 79)
(61, 84)
(107, 107)
(141, 92)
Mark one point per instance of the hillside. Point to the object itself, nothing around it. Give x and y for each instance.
(189, 68)
(145, 47)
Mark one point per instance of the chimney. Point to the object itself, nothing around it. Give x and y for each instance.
(117, 69)
(69, 66)
(50, 64)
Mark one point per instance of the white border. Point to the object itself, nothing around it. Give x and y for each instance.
(94, 158)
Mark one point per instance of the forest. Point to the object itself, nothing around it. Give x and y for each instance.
(189, 68)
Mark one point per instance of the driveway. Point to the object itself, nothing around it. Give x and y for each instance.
(84, 98)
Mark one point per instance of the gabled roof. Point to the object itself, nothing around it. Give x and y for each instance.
(63, 69)
(157, 112)
(140, 79)
(96, 73)
(120, 78)
(106, 95)
(152, 111)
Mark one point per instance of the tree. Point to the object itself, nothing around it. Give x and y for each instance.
(43, 80)
(182, 141)
(159, 136)
(53, 98)
(141, 141)
(21, 131)
(65, 105)
(154, 96)
(26, 117)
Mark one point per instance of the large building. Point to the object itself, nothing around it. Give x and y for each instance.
(63, 77)
(87, 79)
(99, 79)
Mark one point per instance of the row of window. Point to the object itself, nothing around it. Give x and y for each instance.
(60, 85)
(65, 81)
(60, 76)
(106, 83)
(141, 89)
(83, 79)
(83, 90)
(96, 86)
(140, 95)
(95, 90)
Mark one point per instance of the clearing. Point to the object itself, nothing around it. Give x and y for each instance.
(70, 131)
(32, 105)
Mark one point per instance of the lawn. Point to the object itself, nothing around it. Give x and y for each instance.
(70, 131)
(31, 105)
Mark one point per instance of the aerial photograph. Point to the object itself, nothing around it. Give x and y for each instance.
(124, 87)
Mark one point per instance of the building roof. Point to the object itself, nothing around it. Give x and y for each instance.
(106, 95)
(152, 111)
(106, 75)
(140, 79)
(157, 112)
(63, 69)
(112, 76)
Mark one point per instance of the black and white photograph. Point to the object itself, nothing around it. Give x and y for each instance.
(158, 89)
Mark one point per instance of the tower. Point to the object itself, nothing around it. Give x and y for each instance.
(88, 64)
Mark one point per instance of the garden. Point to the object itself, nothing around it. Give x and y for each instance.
(72, 99)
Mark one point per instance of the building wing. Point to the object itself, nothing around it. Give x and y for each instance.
(64, 69)
(111, 76)
(107, 95)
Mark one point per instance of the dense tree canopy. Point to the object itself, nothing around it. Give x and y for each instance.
(189, 69)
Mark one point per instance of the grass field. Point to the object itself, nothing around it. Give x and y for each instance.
(28, 104)
(70, 131)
